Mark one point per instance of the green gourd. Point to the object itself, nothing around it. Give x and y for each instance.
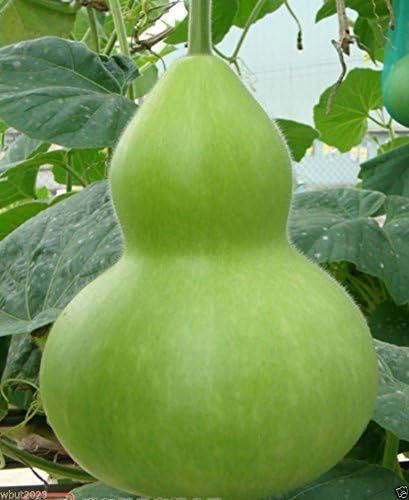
(213, 360)
(395, 77)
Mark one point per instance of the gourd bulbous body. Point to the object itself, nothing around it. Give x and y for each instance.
(396, 91)
(395, 74)
(212, 360)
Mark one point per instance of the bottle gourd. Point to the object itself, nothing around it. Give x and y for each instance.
(395, 76)
(213, 360)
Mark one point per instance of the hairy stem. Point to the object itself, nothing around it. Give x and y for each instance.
(120, 29)
(200, 27)
(93, 28)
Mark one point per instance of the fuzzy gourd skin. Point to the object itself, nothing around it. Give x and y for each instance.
(395, 74)
(396, 91)
(212, 360)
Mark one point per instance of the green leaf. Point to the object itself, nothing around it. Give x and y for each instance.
(338, 225)
(61, 197)
(4, 409)
(74, 99)
(42, 193)
(391, 410)
(146, 81)
(223, 14)
(388, 172)
(19, 184)
(346, 125)
(22, 148)
(122, 68)
(100, 491)
(247, 6)
(23, 362)
(349, 480)
(81, 32)
(89, 164)
(45, 262)
(371, 35)
(15, 216)
(390, 323)
(366, 8)
(393, 144)
(25, 20)
(17, 181)
(299, 137)
(4, 349)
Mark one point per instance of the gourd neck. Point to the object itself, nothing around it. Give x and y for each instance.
(200, 37)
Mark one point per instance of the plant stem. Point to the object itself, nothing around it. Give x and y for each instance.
(110, 43)
(120, 29)
(10, 450)
(72, 172)
(377, 122)
(200, 27)
(297, 22)
(119, 25)
(252, 17)
(112, 37)
(86, 35)
(93, 27)
(69, 182)
(390, 453)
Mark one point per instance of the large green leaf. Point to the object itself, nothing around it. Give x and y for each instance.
(299, 137)
(345, 125)
(246, 7)
(390, 323)
(350, 480)
(391, 411)
(366, 8)
(47, 260)
(15, 216)
(59, 91)
(338, 225)
(223, 14)
(26, 19)
(388, 172)
(100, 491)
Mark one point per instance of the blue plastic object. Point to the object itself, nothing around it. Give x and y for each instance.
(395, 78)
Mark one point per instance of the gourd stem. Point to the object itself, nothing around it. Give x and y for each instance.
(200, 37)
